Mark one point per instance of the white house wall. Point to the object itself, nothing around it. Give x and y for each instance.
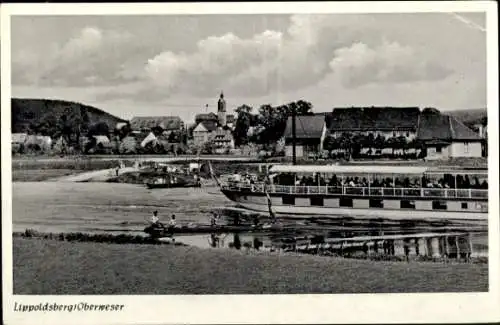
(299, 151)
(465, 149)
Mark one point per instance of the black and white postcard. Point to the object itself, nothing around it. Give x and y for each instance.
(323, 162)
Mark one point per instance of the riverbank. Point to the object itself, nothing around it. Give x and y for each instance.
(63, 267)
(26, 169)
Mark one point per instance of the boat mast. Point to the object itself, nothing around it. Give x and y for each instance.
(294, 154)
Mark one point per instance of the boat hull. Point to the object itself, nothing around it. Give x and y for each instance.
(304, 212)
(258, 203)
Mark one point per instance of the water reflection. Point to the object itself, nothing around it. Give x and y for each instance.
(454, 245)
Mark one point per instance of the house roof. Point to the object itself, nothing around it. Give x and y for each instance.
(441, 127)
(149, 122)
(205, 117)
(101, 139)
(306, 126)
(208, 125)
(373, 118)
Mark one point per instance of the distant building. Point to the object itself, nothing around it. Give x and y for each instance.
(203, 132)
(310, 133)
(445, 137)
(215, 128)
(205, 117)
(223, 140)
(384, 121)
(19, 138)
(148, 123)
(221, 110)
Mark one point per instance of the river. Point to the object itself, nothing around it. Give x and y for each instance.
(96, 207)
(126, 208)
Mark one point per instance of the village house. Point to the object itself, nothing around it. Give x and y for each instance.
(215, 128)
(223, 140)
(445, 137)
(310, 133)
(33, 142)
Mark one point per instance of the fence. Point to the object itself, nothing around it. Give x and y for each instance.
(362, 191)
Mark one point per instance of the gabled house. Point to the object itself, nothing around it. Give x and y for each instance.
(223, 140)
(445, 137)
(204, 131)
(310, 133)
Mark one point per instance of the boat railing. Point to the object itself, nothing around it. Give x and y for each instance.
(361, 191)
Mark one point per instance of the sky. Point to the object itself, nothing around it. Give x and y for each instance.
(177, 64)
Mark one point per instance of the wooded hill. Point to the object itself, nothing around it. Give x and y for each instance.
(470, 116)
(44, 116)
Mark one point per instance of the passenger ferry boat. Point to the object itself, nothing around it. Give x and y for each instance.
(389, 192)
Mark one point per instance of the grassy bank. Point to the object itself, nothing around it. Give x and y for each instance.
(62, 267)
(39, 175)
(75, 164)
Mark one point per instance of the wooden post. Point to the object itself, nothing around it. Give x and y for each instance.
(471, 247)
(446, 247)
(458, 247)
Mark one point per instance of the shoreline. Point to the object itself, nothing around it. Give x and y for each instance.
(127, 239)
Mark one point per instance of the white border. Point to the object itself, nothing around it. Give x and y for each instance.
(346, 308)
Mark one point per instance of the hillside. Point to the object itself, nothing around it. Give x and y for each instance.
(41, 114)
(469, 117)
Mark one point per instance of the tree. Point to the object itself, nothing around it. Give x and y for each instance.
(345, 143)
(243, 124)
(379, 142)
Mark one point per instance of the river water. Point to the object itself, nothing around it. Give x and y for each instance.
(97, 207)
(126, 208)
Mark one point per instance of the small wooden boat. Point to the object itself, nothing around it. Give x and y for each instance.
(158, 231)
(170, 185)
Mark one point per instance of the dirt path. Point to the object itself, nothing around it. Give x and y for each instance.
(96, 175)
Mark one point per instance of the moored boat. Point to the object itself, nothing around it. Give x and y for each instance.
(390, 192)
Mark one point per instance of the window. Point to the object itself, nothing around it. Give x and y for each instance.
(345, 202)
(393, 133)
(407, 204)
(288, 200)
(464, 205)
(407, 134)
(439, 149)
(439, 205)
(317, 201)
(466, 147)
(376, 203)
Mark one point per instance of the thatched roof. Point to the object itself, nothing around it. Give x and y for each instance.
(149, 122)
(373, 118)
(441, 127)
(306, 127)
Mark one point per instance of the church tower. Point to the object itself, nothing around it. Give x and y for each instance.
(221, 110)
